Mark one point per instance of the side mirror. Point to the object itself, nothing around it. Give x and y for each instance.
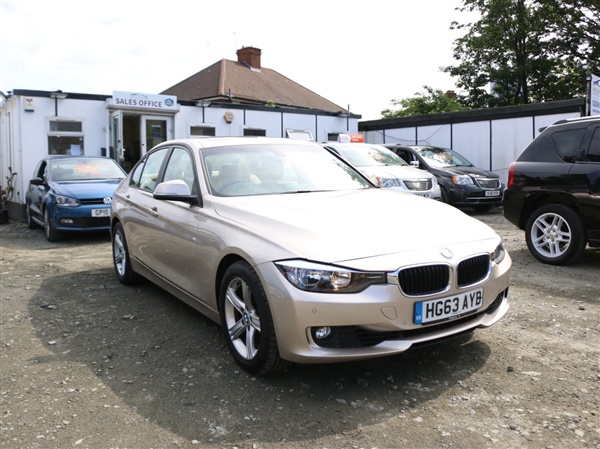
(36, 181)
(414, 163)
(175, 190)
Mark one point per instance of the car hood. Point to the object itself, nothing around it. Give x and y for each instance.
(464, 170)
(85, 189)
(395, 172)
(341, 226)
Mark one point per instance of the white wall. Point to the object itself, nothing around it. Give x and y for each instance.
(489, 144)
(24, 135)
(472, 140)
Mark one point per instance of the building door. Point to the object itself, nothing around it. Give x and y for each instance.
(116, 136)
(155, 130)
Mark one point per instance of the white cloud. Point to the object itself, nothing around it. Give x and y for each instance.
(352, 53)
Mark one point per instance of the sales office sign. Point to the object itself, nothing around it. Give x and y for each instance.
(134, 100)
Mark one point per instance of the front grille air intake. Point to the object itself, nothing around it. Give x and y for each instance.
(418, 185)
(424, 280)
(488, 183)
(473, 270)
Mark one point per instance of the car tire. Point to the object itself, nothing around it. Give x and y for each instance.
(30, 223)
(121, 258)
(247, 321)
(445, 198)
(52, 235)
(555, 234)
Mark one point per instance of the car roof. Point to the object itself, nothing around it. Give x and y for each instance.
(207, 142)
(575, 122)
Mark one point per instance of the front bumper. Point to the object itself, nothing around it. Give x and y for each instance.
(80, 218)
(472, 195)
(373, 323)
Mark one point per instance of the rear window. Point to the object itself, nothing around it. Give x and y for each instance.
(567, 143)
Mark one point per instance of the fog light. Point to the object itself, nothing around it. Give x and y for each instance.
(322, 332)
(66, 221)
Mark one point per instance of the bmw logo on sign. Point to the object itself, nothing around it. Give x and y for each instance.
(107, 200)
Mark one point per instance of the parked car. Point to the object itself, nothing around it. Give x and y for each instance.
(553, 191)
(386, 169)
(298, 256)
(462, 184)
(72, 194)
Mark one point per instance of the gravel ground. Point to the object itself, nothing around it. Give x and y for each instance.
(88, 363)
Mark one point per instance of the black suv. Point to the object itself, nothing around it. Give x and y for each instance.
(461, 183)
(553, 190)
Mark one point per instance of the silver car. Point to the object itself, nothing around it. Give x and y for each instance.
(298, 256)
(386, 169)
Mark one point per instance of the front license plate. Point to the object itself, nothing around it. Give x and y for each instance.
(447, 308)
(492, 193)
(100, 212)
(424, 195)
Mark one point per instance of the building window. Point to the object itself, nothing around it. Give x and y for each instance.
(255, 132)
(332, 137)
(301, 134)
(201, 131)
(65, 137)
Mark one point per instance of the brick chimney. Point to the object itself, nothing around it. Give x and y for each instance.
(450, 94)
(249, 56)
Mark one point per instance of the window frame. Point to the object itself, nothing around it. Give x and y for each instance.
(71, 137)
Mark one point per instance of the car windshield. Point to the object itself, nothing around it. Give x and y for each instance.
(370, 155)
(85, 170)
(442, 157)
(277, 169)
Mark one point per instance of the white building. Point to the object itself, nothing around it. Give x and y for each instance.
(229, 98)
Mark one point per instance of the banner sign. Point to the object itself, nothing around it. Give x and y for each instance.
(130, 100)
(595, 96)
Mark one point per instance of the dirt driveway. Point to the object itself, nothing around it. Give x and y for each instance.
(88, 363)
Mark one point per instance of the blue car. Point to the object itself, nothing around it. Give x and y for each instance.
(72, 193)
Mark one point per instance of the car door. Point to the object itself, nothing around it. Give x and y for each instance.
(172, 227)
(585, 172)
(138, 204)
(37, 192)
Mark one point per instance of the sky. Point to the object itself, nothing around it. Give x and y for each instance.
(360, 55)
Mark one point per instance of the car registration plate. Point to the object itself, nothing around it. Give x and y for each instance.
(449, 307)
(101, 212)
(492, 193)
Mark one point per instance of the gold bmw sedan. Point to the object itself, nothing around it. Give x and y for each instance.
(298, 256)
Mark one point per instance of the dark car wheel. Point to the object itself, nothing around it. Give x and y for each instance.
(30, 223)
(121, 260)
(247, 322)
(555, 234)
(52, 235)
(445, 196)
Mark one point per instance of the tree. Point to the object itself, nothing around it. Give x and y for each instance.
(523, 51)
(429, 102)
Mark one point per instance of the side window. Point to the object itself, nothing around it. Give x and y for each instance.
(594, 151)
(567, 143)
(137, 174)
(151, 170)
(41, 170)
(180, 166)
(404, 155)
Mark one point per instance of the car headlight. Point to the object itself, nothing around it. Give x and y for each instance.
(462, 180)
(320, 278)
(62, 200)
(386, 182)
(498, 254)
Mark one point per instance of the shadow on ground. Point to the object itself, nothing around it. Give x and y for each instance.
(170, 364)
